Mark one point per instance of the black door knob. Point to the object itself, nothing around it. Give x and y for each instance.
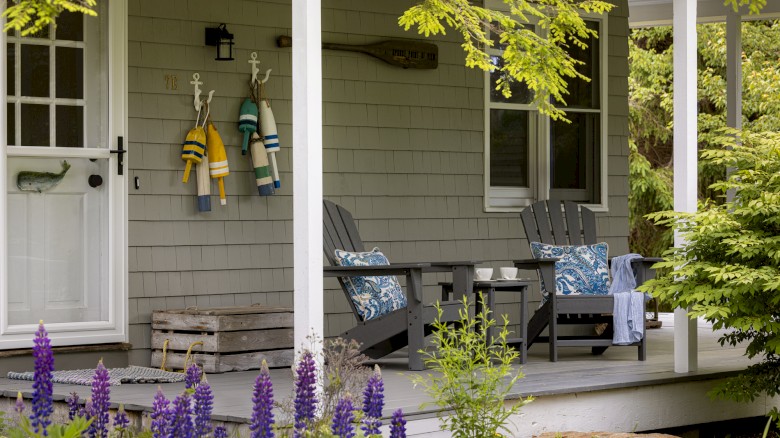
(95, 181)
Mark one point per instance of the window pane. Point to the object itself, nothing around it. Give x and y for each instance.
(35, 70)
(584, 94)
(10, 73)
(11, 124)
(70, 126)
(70, 72)
(575, 147)
(35, 125)
(70, 26)
(520, 92)
(509, 138)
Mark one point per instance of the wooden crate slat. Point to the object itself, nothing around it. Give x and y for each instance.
(227, 362)
(216, 323)
(226, 342)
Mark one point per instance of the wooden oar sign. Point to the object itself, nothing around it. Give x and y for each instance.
(401, 53)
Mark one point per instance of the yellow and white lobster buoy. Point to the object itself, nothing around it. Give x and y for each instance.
(218, 164)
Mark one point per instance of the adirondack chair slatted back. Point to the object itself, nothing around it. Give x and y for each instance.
(339, 231)
(544, 222)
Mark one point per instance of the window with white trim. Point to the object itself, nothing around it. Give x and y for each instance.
(528, 156)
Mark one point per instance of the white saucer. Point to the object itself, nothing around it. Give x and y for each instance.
(507, 279)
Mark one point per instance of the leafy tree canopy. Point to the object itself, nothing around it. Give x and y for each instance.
(650, 103)
(31, 16)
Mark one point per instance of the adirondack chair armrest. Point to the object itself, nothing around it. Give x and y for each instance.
(533, 264)
(359, 271)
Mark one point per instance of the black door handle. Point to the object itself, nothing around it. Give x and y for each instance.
(95, 181)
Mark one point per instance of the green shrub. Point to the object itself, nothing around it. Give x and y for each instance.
(471, 379)
(729, 270)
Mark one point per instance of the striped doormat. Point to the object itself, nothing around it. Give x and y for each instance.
(117, 376)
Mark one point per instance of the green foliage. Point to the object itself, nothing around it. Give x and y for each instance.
(31, 16)
(729, 270)
(651, 109)
(651, 191)
(73, 429)
(542, 63)
(471, 378)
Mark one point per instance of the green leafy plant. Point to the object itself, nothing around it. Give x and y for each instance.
(471, 379)
(73, 429)
(729, 269)
(31, 16)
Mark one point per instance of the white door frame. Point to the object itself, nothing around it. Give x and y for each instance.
(116, 328)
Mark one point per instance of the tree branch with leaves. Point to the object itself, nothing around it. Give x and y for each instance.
(539, 61)
(31, 16)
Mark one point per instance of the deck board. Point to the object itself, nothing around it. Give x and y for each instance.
(577, 371)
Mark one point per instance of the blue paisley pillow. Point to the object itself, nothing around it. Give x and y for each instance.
(581, 270)
(372, 296)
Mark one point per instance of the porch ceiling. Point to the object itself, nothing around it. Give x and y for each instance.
(644, 13)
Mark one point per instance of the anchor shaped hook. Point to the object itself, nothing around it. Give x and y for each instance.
(256, 70)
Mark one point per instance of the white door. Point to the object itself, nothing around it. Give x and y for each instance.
(63, 221)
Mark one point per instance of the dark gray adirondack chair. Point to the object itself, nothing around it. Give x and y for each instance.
(544, 222)
(383, 335)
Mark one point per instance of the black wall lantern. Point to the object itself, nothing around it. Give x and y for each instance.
(220, 37)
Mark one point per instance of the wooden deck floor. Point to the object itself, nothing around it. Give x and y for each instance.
(576, 372)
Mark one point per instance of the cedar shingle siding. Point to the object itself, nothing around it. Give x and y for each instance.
(403, 150)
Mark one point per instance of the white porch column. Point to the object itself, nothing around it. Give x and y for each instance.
(307, 170)
(685, 156)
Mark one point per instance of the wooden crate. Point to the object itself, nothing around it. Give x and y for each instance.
(234, 338)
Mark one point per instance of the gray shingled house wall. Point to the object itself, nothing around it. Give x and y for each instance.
(403, 150)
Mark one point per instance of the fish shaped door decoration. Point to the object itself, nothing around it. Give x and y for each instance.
(31, 181)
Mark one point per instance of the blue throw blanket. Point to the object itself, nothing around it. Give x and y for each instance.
(629, 310)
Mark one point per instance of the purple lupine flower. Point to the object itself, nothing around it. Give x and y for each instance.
(204, 400)
(19, 408)
(343, 418)
(87, 411)
(181, 423)
(373, 402)
(193, 376)
(159, 415)
(220, 432)
(100, 402)
(398, 425)
(305, 397)
(73, 405)
(263, 402)
(120, 419)
(42, 406)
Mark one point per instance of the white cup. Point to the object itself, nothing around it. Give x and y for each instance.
(508, 273)
(484, 274)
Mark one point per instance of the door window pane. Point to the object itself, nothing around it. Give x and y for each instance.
(35, 70)
(70, 126)
(10, 74)
(11, 124)
(70, 26)
(35, 125)
(70, 72)
(509, 140)
(574, 149)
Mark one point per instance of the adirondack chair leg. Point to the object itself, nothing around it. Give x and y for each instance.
(416, 325)
(553, 329)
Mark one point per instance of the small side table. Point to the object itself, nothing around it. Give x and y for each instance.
(489, 289)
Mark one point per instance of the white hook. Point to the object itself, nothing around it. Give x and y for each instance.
(256, 70)
(265, 79)
(211, 93)
(254, 63)
(197, 83)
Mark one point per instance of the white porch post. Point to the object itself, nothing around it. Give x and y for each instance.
(307, 170)
(685, 156)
